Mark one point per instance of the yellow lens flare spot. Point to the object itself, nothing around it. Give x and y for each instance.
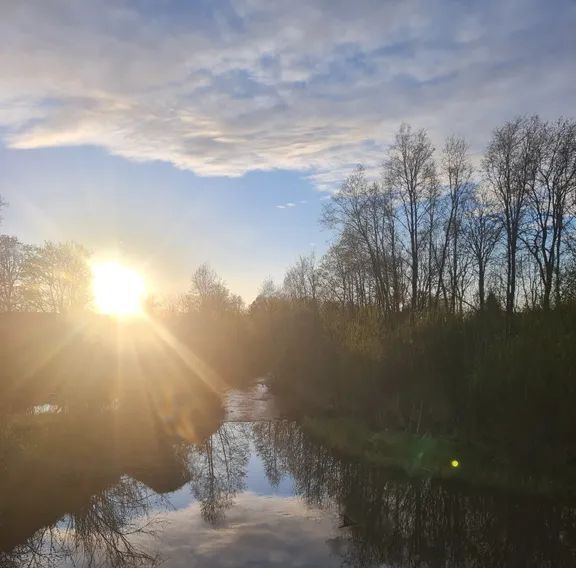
(455, 463)
(117, 289)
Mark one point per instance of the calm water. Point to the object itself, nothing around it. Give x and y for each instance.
(261, 493)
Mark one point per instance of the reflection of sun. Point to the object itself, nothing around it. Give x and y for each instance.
(118, 290)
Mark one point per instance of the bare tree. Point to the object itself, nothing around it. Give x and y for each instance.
(482, 231)
(549, 200)
(410, 172)
(57, 278)
(208, 292)
(347, 277)
(13, 260)
(268, 289)
(364, 213)
(510, 165)
(302, 280)
(457, 173)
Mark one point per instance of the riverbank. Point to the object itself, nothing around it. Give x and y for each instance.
(440, 458)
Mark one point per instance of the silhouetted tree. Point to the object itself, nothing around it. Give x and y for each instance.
(551, 199)
(482, 231)
(302, 280)
(410, 172)
(510, 165)
(57, 278)
(209, 293)
(14, 258)
(457, 171)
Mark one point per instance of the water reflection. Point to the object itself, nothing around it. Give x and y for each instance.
(414, 522)
(80, 489)
(96, 532)
(218, 470)
(265, 494)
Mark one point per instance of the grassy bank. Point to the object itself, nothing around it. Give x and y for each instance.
(440, 458)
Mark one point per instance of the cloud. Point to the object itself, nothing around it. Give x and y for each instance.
(288, 205)
(315, 86)
(259, 531)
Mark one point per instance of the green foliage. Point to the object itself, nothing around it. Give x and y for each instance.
(479, 377)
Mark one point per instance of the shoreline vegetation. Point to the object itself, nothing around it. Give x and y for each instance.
(501, 441)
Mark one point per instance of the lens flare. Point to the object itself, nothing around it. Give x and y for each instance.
(117, 289)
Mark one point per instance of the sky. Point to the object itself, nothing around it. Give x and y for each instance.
(173, 132)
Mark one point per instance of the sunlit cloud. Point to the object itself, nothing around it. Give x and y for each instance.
(227, 90)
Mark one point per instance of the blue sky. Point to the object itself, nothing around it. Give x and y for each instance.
(170, 131)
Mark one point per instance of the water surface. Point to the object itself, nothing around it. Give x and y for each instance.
(261, 493)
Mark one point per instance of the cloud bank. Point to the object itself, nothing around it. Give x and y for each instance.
(226, 87)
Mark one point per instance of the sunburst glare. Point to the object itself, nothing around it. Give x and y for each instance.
(117, 289)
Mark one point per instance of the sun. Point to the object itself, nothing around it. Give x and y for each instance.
(118, 290)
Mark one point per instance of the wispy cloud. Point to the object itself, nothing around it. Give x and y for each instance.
(288, 205)
(227, 90)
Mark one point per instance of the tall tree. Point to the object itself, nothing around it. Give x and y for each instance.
(510, 166)
(549, 199)
(456, 170)
(364, 214)
(482, 231)
(410, 172)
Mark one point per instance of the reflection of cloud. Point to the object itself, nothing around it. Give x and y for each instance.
(260, 531)
(225, 89)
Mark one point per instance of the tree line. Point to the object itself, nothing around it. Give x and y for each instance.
(434, 232)
(438, 233)
(53, 277)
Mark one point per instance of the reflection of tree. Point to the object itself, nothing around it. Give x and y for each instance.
(218, 469)
(99, 534)
(390, 519)
(267, 438)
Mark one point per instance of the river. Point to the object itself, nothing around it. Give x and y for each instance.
(259, 492)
